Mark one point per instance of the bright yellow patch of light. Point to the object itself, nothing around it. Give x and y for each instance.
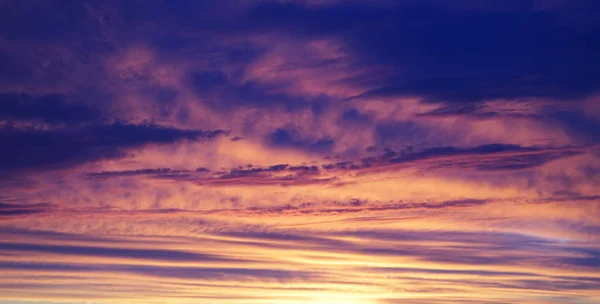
(338, 299)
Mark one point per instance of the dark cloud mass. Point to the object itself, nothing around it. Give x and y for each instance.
(7, 209)
(314, 151)
(451, 53)
(38, 148)
(51, 109)
(291, 139)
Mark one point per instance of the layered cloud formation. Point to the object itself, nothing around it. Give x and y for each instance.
(359, 152)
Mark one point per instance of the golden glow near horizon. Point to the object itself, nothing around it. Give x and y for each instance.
(274, 247)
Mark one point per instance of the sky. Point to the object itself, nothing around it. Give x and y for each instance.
(291, 152)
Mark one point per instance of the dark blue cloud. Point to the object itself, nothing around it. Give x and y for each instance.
(578, 125)
(353, 116)
(51, 109)
(41, 148)
(18, 209)
(475, 111)
(150, 171)
(526, 161)
(25, 234)
(282, 240)
(223, 92)
(12, 70)
(448, 53)
(498, 157)
(499, 240)
(442, 52)
(283, 137)
(390, 133)
(180, 272)
(166, 100)
(215, 273)
(290, 138)
(590, 258)
(45, 21)
(97, 251)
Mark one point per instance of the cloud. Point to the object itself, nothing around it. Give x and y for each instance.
(290, 138)
(220, 92)
(158, 171)
(352, 115)
(453, 53)
(167, 255)
(313, 260)
(471, 110)
(578, 125)
(43, 26)
(50, 109)
(378, 152)
(484, 157)
(490, 161)
(7, 209)
(354, 207)
(39, 148)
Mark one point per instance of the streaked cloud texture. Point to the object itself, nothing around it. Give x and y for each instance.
(356, 152)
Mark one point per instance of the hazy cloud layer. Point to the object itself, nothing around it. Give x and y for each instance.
(320, 151)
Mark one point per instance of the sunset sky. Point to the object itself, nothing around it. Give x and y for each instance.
(292, 152)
